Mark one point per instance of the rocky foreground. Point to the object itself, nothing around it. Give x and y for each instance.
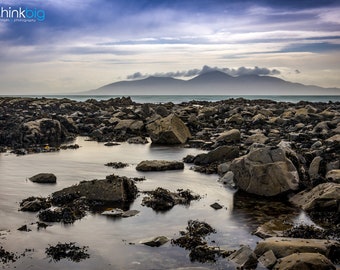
(261, 147)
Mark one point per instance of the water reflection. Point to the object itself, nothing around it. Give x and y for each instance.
(114, 243)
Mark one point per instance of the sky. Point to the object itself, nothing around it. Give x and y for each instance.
(67, 46)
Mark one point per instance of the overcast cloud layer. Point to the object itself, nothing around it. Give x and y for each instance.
(84, 44)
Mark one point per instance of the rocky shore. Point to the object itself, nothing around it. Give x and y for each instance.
(277, 150)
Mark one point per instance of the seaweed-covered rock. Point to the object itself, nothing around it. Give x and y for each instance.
(34, 204)
(67, 251)
(162, 199)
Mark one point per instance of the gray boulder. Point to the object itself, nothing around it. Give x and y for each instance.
(168, 130)
(44, 178)
(159, 165)
(265, 171)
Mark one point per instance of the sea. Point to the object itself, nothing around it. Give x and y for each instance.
(186, 98)
(115, 243)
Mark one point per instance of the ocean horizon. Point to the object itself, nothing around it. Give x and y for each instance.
(186, 98)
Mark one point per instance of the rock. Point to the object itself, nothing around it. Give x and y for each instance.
(168, 130)
(324, 197)
(334, 176)
(228, 179)
(268, 259)
(162, 111)
(236, 118)
(216, 206)
(44, 178)
(112, 189)
(233, 135)
(159, 165)
(137, 140)
(282, 247)
(220, 154)
(257, 138)
(130, 213)
(162, 199)
(272, 228)
(34, 204)
(265, 171)
(156, 241)
(133, 125)
(24, 228)
(310, 261)
(334, 139)
(314, 167)
(67, 251)
(244, 258)
(117, 165)
(116, 212)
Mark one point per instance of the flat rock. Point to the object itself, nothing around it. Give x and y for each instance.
(325, 196)
(310, 261)
(334, 176)
(159, 165)
(284, 246)
(244, 258)
(44, 178)
(156, 241)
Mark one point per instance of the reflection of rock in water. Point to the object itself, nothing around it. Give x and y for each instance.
(252, 211)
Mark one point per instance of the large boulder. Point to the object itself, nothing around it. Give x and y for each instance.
(284, 246)
(168, 130)
(265, 171)
(324, 197)
(44, 178)
(220, 154)
(111, 189)
(159, 165)
(310, 261)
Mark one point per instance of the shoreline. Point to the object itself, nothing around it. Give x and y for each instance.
(236, 135)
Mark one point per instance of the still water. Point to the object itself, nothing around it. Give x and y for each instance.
(114, 243)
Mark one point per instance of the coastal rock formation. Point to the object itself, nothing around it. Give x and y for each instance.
(310, 261)
(220, 154)
(44, 178)
(265, 171)
(283, 246)
(324, 197)
(168, 130)
(159, 165)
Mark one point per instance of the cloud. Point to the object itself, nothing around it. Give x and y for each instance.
(205, 69)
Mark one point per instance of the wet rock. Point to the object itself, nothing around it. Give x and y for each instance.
(283, 247)
(162, 199)
(116, 212)
(268, 259)
(298, 261)
(24, 228)
(117, 165)
(42, 178)
(137, 140)
(6, 256)
(34, 204)
(67, 251)
(244, 258)
(168, 130)
(265, 171)
(111, 144)
(313, 232)
(220, 154)
(159, 165)
(112, 189)
(274, 227)
(156, 241)
(130, 213)
(257, 138)
(216, 206)
(324, 197)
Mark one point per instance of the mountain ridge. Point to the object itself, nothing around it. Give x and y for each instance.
(212, 83)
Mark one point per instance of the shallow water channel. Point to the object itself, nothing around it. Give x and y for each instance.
(114, 243)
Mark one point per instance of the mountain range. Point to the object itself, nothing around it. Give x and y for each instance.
(212, 83)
